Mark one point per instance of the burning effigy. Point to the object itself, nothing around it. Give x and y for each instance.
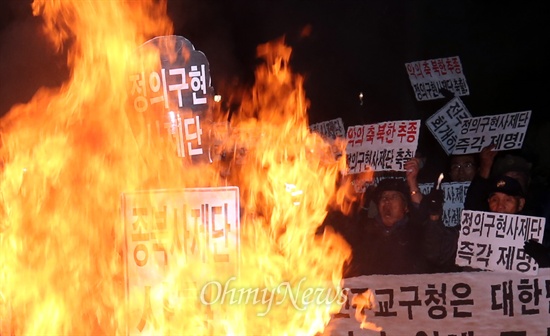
(131, 204)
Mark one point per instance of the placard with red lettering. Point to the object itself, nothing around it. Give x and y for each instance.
(429, 77)
(383, 146)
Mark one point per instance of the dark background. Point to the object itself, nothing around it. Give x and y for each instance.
(352, 47)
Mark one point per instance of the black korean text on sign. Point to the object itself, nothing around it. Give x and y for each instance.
(171, 98)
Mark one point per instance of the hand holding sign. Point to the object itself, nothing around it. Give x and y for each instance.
(537, 251)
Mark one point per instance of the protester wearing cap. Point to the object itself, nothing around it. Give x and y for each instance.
(512, 166)
(392, 202)
(506, 196)
(396, 240)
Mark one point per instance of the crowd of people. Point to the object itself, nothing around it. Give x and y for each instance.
(395, 229)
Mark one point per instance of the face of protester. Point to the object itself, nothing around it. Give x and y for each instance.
(463, 168)
(503, 203)
(392, 207)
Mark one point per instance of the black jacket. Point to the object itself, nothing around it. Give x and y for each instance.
(408, 247)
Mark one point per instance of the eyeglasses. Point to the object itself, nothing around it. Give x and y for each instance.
(457, 166)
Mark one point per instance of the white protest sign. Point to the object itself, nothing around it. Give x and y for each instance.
(428, 77)
(445, 124)
(330, 129)
(445, 304)
(505, 131)
(454, 195)
(381, 147)
(494, 241)
(167, 230)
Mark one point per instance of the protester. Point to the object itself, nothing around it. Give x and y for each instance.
(412, 168)
(509, 193)
(506, 195)
(462, 168)
(395, 241)
(514, 166)
(510, 165)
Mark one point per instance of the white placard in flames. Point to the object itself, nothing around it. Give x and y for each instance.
(165, 230)
(330, 129)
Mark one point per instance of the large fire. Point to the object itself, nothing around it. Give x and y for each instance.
(70, 152)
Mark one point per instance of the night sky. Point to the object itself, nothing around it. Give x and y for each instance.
(353, 46)
(362, 46)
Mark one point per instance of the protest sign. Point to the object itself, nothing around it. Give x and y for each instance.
(494, 241)
(445, 124)
(454, 194)
(505, 131)
(330, 129)
(445, 304)
(169, 230)
(381, 147)
(429, 77)
(334, 133)
(171, 94)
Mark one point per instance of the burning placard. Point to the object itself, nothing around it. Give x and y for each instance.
(71, 151)
(167, 231)
(171, 95)
(330, 129)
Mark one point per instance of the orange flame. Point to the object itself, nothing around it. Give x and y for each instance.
(70, 152)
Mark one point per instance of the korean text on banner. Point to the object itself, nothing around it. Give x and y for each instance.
(465, 303)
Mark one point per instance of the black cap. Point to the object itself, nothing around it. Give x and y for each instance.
(391, 184)
(506, 185)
